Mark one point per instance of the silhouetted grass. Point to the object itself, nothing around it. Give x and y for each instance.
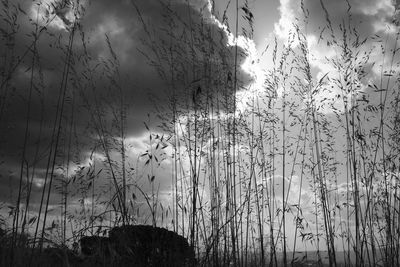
(256, 180)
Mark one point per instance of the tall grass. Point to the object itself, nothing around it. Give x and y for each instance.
(307, 162)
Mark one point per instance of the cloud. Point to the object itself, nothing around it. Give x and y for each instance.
(323, 22)
(368, 17)
(326, 27)
(95, 78)
(287, 10)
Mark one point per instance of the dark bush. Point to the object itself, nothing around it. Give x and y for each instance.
(138, 245)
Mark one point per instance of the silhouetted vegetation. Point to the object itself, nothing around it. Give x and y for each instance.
(298, 167)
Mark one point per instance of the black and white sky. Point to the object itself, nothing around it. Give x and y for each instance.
(120, 61)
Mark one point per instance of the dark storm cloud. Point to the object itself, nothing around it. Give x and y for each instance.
(9, 186)
(134, 45)
(141, 42)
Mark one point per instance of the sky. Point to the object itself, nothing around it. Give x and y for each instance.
(121, 59)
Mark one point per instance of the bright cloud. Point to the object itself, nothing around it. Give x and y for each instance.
(57, 14)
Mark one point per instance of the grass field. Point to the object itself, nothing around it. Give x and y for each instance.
(265, 133)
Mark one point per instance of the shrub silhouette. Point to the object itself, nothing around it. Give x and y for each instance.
(138, 245)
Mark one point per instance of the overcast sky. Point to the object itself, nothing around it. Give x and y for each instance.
(138, 33)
